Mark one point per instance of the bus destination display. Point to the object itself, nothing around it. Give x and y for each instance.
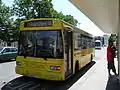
(38, 23)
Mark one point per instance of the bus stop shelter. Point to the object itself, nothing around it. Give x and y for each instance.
(105, 14)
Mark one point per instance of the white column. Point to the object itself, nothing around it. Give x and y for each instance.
(118, 56)
(118, 53)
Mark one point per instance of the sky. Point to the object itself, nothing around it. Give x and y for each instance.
(68, 9)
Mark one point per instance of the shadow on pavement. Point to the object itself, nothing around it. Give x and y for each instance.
(113, 83)
(27, 83)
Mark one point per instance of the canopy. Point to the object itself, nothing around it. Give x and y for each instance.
(104, 13)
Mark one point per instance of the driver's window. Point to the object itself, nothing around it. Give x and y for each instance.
(6, 50)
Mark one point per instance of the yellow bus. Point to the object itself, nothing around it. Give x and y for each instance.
(52, 49)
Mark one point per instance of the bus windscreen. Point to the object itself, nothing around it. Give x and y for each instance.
(97, 44)
(46, 44)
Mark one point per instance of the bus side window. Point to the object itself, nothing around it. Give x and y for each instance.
(88, 42)
(83, 43)
(78, 43)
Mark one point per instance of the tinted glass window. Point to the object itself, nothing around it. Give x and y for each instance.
(41, 44)
(6, 50)
(78, 42)
(13, 50)
(84, 42)
(97, 44)
(87, 42)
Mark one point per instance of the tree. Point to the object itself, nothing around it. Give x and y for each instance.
(5, 14)
(32, 8)
(56, 14)
(68, 18)
(39, 9)
(5, 22)
(16, 28)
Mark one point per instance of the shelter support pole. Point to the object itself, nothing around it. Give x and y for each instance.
(118, 41)
(118, 52)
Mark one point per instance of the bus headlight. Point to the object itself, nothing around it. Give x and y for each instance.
(55, 67)
(18, 63)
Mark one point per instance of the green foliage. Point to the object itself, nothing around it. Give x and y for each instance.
(5, 22)
(55, 14)
(9, 29)
(32, 8)
(39, 9)
(16, 28)
(68, 18)
(5, 14)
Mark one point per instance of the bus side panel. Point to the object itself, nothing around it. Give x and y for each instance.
(83, 56)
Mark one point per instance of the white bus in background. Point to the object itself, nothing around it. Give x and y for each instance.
(98, 44)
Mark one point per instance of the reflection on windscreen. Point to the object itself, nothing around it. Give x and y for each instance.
(41, 44)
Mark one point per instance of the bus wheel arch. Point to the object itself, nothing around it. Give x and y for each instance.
(76, 66)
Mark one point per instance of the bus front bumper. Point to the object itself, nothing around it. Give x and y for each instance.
(48, 75)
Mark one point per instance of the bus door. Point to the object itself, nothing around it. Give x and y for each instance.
(68, 52)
